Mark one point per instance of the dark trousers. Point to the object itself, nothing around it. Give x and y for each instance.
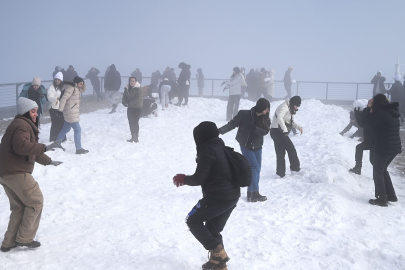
(382, 180)
(133, 115)
(282, 143)
(215, 214)
(183, 93)
(359, 151)
(232, 107)
(56, 124)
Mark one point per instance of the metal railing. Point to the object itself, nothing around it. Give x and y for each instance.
(331, 91)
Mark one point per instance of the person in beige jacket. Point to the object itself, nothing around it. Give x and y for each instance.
(133, 99)
(70, 108)
(19, 150)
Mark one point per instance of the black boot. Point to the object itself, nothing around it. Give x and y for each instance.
(249, 196)
(381, 201)
(256, 197)
(7, 249)
(132, 138)
(113, 108)
(32, 244)
(356, 169)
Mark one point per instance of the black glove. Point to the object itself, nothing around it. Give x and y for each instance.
(55, 163)
(59, 114)
(52, 146)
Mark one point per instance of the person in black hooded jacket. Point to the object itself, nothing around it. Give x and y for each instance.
(112, 85)
(95, 82)
(184, 83)
(220, 195)
(397, 95)
(252, 125)
(378, 82)
(382, 117)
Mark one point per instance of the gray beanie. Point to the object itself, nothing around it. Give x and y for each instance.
(25, 105)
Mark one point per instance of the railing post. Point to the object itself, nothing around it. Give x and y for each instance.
(327, 90)
(357, 92)
(212, 88)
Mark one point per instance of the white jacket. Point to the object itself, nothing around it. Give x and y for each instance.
(53, 96)
(235, 84)
(282, 116)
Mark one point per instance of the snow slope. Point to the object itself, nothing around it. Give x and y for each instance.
(116, 207)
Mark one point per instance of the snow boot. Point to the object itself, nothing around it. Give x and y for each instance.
(256, 197)
(132, 138)
(113, 108)
(379, 201)
(249, 196)
(356, 169)
(217, 257)
(32, 244)
(7, 249)
(81, 151)
(392, 198)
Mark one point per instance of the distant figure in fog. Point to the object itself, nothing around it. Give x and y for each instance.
(288, 82)
(184, 83)
(112, 85)
(200, 82)
(133, 99)
(243, 89)
(70, 74)
(378, 82)
(234, 85)
(270, 85)
(154, 81)
(261, 84)
(174, 77)
(95, 82)
(251, 81)
(138, 75)
(397, 95)
(167, 74)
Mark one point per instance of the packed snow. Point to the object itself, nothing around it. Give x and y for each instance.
(117, 208)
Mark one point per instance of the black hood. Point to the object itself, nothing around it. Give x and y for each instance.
(392, 108)
(203, 132)
(112, 68)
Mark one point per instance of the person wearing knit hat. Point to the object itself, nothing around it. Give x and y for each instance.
(213, 174)
(283, 122)
(378, 82)
(70, 74)
(397, 95)
(36, 92)
(252, 125)
(53, 94)
(19, 151)
(69, 107)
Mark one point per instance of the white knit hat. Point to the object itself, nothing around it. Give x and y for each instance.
(25, 105)
(36, 81)
(59, 76)
(397, 77)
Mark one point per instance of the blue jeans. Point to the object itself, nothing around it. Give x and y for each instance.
(255, 161)
(77, 130)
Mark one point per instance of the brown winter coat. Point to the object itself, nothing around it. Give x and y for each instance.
(133, 97)
(19, 148)
(70, 102)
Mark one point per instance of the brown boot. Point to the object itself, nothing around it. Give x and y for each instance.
(218, 257)
(212, 266)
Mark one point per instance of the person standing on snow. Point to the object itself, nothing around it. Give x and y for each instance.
(112, 85)
(57, 119)
(382, 117)
(69, 107)
(70, 74)
(200, 82)
(19, 150)
(397, 95)
(184, 83)
(36, 92)
(138, 75)
(251, 81)
(288, 82)
(95, 82)
(252, 125)
(378, 82)
(164, 88)
(283, 122)
(234, 85)
(270, 85)
(133, 99)
(220, 195)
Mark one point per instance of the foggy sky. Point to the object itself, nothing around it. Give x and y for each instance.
(339, 41)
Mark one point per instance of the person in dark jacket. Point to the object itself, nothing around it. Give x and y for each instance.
(112, 85)
(184, 83)
(149, 107)
(378, 82)
(288, 82)
(70, 74)
(397, 95)
(200, 82)
(382, 117)
(353, 123)
(365, 145)
(133, 99)
(220, 195)
(174, 77)
(138, 75)
(95, 82)
(252, 125)
(19, 151)
(167, 74)
(155, 80)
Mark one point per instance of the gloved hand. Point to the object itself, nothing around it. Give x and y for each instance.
(59, 114)
(178, 180)
(52, 146)
(55, 163)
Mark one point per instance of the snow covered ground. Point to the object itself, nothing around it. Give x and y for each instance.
(117, 208)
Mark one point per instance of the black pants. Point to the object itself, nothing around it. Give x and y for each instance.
(282, 143)
(382, 180)
(56, 124)
(183, 93)
(133, 115)
(215, 214)
(232, 107)
(359, 151)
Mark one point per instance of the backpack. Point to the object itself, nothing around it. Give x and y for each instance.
(240, 168)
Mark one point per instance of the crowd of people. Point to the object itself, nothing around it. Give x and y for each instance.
(19, 149)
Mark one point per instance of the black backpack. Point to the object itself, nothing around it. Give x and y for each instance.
(240, 168)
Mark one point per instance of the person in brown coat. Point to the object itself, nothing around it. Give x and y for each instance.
(133, 99)
(19, 150)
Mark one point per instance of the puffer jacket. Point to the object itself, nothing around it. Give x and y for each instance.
(19, 148)
(384, 126)
(53, 96)
(70, 101)
(235, 84)
(133, 96)
(246, 136)
(213, 172)
(283, 116)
